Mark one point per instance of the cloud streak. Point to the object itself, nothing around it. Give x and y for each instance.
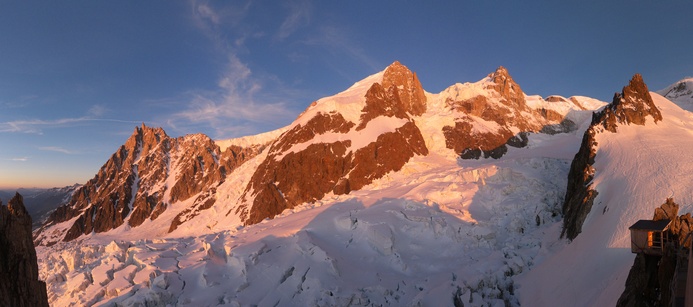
(57, 149)
(238, 104)
(300, 12)
(36, 126)
(338, 41)
(234, 103)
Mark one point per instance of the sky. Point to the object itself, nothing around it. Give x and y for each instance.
(76, 77)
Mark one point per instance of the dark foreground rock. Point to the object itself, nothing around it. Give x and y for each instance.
(19, 283)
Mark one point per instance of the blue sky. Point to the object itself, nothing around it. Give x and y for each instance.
(76, 77)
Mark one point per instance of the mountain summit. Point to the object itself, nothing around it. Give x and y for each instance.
(631, 106)
(493, 113)
(326, 152)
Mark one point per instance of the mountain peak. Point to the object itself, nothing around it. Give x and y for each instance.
(16, 206)
(631, 106)
(637, 90)
(503, 83)
(681, 91)
(502, 78)
(500, 71)
(408, 87)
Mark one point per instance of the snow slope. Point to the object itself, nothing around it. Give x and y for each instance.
(636, 169)
(437, 228)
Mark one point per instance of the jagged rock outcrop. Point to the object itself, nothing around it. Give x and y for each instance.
(580, 195)
(643, 285)
(650, 278)
(632, 106)
(149, 172)
(502, 110)
(19, 281)
(298, 169)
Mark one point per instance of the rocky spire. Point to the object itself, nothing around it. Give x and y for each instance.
(504, 84)
(409, 90)
(631, 106)
(19, 283)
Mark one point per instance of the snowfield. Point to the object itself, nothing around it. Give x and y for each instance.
(465, 231)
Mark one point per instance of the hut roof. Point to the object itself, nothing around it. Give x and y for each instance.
(660, 225)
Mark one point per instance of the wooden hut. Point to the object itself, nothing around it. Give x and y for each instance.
(649, 237)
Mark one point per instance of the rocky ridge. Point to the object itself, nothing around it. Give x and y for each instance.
(632, 106)
(289, 177)
(140, 181)
(19, 282)
(503, 110)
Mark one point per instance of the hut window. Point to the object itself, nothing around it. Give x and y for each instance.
(654, 239)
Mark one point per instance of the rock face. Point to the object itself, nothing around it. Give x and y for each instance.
(488, 121)
(632, 106)
(299, 169)
(149, 172)
(19, 283)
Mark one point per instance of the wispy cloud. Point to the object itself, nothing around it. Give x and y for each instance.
(228, 109)
(339, 42)
(20, 159)
(57, 149)
(205, 12)
(36, 126)
(97, 111)
(20, 102)
(299, 15)
(238, 104)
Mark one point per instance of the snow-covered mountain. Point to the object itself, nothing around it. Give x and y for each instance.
(383, 194)
(141, 180)
(339, 144)
(681, 93)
